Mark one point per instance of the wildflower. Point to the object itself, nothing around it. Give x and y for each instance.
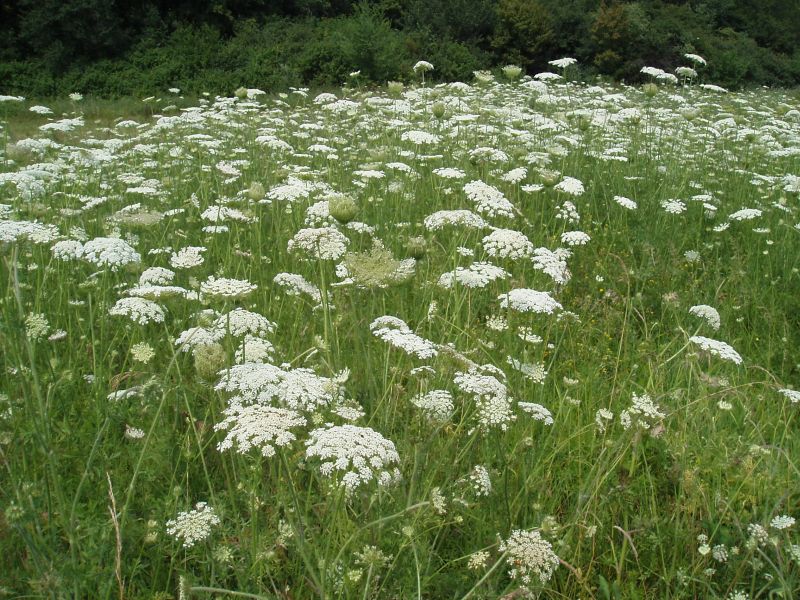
(142, 352)
(436, 404)
(110, 252)
(488, 200)
(480, 481)
(258, 426)
(188, 257)
(708, 313)
(602, 418)
(792, 395)
(36, 327)
(324, 243)
(571, 186)
(562, 63)
(507, 243)
(193, 526)
(422, 66)
(512, 72)
(538, 412)
(227, 288)
(397, 333)
(529, 556)
(575, 238)
(478, 560)
(477, 275)
(358, 454)
(625, 202)
(717, 348)
(782, 522)
(139, 310)
(527, 300)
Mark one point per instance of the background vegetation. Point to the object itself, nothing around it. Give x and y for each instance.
(113, 48)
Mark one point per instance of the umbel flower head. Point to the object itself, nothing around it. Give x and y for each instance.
(193, 526)
(258, 426)
(529, 556)
(324, 243)
(717, 348)
(357, 454)
(527, 300)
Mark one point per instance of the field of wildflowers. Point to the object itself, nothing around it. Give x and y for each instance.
(522, 337)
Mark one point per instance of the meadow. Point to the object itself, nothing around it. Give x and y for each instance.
(512, 338)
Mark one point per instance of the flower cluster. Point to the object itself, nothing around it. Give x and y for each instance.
(357, 454)
(529, 556)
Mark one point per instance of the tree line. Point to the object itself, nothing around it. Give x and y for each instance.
(114, 48)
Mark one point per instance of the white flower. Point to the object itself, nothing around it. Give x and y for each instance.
(422, 66)
(529, 556)
(397, 333)
(258, 426)
(507, 243)
(708, 313)
(239, 322)
(357, 455)
(156, 276)
(528, 300)
(792, 395)
(571, 186)
(745, 214)
(696, 58)
(717, 348)
(325, 243)
(625, 202)
(477, 275)
(68, 250)
(538, 412)
(464, 218)
(297, 285)
(562, 63)
(782, 522)
(227, 288)
(193, 526)
(488, 200)
(436, 404)
(139, 310)
(110, 252)
(553, 263)
(420, 137)
(188, 257)
(480, 480)
(575, 238)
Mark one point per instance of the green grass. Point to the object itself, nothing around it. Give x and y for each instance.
(84, 506)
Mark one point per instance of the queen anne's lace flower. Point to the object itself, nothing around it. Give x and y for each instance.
(537, 412)
(529, 556)
(463, 218)
(355, 455)
(325, 243)
(227, 288)
(139, 310)
(477, 275)
(571, 186)
(68, 250)
(397, 333)
(239, 322)
(156, 276)
(527, 300)
(643, 413)
(507, 243)
(708, 313)
(436, 404)
(110, 252)
(553, 263)
(792, 395)
(717, 348)
(193, 526)
(297, 285)
(258, 426)
(488, 200)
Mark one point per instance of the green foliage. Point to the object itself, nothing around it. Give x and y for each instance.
(53, 47)
(524, 31)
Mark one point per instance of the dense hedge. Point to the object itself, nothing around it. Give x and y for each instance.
(53, 47)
